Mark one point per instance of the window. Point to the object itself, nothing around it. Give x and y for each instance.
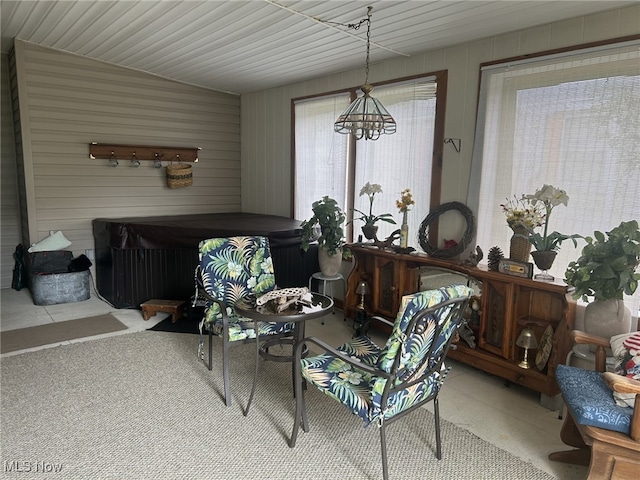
(328, 163)
(569, 120)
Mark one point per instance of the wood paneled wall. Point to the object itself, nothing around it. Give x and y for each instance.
(9, 207)
(68, 101)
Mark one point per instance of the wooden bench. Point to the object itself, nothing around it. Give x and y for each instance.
(153, 306)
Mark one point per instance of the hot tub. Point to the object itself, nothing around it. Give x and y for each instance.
(143, 258)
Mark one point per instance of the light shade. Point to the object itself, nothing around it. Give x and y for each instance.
(365, 118)
(527, 339)
(362, 288)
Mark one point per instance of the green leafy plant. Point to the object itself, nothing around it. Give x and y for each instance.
(550, 197)
(606, 268)
(370, 189)
(329, 217)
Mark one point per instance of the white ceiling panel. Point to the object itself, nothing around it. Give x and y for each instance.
(243, 46)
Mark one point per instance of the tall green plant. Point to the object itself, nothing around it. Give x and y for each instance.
(328, 215)
(607, 267)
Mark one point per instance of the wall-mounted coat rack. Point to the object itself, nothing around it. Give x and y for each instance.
(108, 151)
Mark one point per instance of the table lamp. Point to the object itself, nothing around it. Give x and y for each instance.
(526, 340)
(362, 290)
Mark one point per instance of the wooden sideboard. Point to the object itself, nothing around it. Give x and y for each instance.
(508, 304)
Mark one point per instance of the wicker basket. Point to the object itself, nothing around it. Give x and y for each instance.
(519, 247)
(179, 175)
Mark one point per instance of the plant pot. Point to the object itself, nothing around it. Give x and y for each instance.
(606, 318)
(370, 232)
(329, 264)
(519, 246)
(544, 260)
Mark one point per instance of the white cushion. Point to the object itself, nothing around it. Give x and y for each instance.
(626, 355)
(55, 241)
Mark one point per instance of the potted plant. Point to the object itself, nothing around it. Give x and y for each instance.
(522, 218)
(370, 229)
(329, 218)
(606, 270)
(547, 245)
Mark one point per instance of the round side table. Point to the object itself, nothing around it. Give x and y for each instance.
(321, 277)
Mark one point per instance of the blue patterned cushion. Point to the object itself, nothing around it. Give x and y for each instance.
(359, 390)
(363, 349)
(234, 268)
(591, 401)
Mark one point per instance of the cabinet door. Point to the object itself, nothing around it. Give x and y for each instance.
(496, 323)
(386, 288)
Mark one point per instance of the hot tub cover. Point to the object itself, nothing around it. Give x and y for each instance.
(186, 231)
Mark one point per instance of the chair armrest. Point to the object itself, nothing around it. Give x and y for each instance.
(580, 337)
(343, 356)
(223, 306)
(383, 320)
(621, 384)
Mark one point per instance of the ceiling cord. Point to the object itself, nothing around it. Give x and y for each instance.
(333, 26)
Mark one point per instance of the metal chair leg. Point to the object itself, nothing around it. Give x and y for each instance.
(383, 445)
(436, 416)
(225, 372)
(210, 350)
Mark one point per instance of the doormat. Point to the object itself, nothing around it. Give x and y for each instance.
(189, 323)
(56, 332)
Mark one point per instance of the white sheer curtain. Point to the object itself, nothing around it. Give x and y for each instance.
(320, 153)
(395, 162)
(571, 121)
(402, 160)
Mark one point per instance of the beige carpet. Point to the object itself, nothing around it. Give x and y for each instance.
(141, 406)
(56, 332)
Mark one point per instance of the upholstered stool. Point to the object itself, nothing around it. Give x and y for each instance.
(151, 307)
(321, 277)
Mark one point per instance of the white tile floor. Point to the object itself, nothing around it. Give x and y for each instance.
(510, 417)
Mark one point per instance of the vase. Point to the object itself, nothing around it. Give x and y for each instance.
(519, 246)
(544, 260)
(404, 231)
(606, 318)
(329, 264)
(370, 231)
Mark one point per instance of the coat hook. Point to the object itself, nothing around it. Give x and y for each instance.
(455, 142)
(156, 161)
(134, 160)
(113, 161)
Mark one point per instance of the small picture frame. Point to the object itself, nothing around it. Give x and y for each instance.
(515, 268)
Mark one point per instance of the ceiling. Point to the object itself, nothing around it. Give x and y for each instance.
(244, 46)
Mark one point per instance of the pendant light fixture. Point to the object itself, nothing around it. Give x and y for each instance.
(366, 117)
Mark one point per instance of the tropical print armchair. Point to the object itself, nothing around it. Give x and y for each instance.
(231, 269)
(383, 384)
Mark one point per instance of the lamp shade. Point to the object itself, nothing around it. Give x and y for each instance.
(365, 118)
(363, 288)
(527, 339)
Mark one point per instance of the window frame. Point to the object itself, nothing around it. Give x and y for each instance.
(441, 79)
(473, 197)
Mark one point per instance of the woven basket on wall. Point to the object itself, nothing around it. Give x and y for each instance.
(179, 175)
